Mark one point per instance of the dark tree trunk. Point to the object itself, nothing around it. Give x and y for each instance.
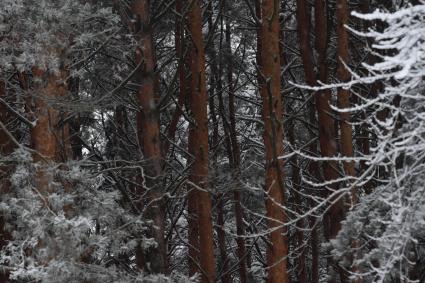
(154, 258)
(344, 94)
(199, 136)
(272, 114)
(327, 134)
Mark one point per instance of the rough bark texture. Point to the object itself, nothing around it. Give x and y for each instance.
(192, 207)
(272, 114)
(344, 94)
(327, 135)
(44, 136)
(303, 20)
(344, 102)
(154, 258)
(199, 134)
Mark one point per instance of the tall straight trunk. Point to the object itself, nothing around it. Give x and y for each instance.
(6, 148)
(47, 140)
(236, 157)
(344, 94)
(192, 208)
(199, 134)
(344, 102)
(327, 134)
(152, 259)
(272, 113)
(303, 20)
(283, 62)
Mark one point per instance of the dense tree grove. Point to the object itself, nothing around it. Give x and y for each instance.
(212, 141)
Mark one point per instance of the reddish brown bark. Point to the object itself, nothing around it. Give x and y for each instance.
(49, 137)
(327, 134)
(272, 114)
(192, 208)
(344, 102)
(152, 259)
(344, 94)
(199, 136)
(303, 20)
(44, 136)
(50, 86)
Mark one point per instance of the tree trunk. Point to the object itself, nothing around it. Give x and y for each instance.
(192, 208)
(272, 114)
(344, 102)
(303, 20)
(154, 258)
(327, 134)
(199, 135)
(344, 94)
(44, 136)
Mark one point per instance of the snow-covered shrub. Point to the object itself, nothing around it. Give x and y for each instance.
(79, 233)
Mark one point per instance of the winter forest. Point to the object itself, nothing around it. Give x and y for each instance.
(212, 141)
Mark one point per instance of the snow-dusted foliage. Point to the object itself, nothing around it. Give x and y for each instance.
(43, 33)
(79, 233)
(389, 224)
